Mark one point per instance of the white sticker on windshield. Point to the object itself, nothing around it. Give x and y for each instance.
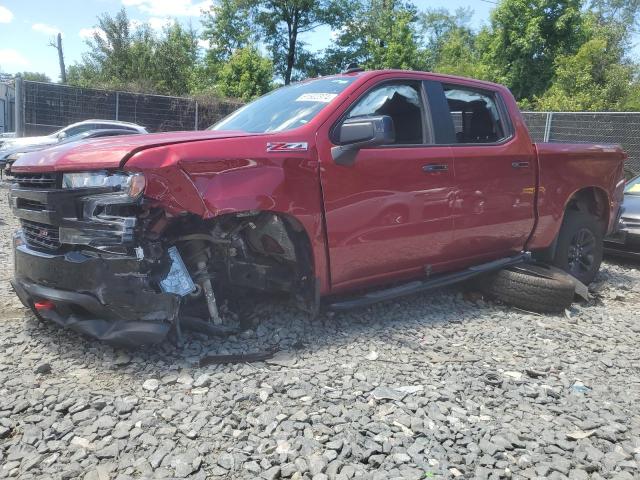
(316, 97)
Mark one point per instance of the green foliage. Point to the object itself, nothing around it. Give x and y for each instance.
(231, 25)
(35, 76)
(526, 37)
(393, 42)
(227, 28)
(380, 34)
(137, 59)
(246, 75)
(452, 47)
(597, 77)
(553, 54)
(175, 56)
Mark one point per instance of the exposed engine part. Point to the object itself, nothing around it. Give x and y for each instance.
(270, 237)
(197, 252)
(209, 295)
(235, 255)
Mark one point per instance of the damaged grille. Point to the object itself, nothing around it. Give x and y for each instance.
(33, 205)
(53, 217)
(40, 235)
(36, 180)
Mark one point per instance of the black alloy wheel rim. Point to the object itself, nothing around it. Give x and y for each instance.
(581, 251)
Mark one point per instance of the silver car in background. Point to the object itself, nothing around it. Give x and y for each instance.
(69, 131)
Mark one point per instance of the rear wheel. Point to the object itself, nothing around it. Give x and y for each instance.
(580, 246)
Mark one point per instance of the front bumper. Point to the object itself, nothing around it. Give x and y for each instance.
(107, 297)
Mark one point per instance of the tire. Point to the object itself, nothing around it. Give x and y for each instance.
(550, 291)
(580, 246)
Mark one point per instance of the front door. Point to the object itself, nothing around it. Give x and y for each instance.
(389, 214)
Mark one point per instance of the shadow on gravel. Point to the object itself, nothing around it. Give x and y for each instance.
(280, 326)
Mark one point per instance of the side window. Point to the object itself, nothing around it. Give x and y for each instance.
(475, 115)
(403, 103)
(71, 132)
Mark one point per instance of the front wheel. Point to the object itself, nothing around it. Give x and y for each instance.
(580, 246)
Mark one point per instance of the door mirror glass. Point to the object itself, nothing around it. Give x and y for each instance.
(362, 132)
(378, 129)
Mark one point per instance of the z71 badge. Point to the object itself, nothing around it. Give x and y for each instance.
(287, 147)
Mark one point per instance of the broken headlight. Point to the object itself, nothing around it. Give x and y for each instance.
(131, 184)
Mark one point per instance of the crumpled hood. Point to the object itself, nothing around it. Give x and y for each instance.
(110, 152)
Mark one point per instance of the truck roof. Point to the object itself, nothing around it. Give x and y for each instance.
(367, 74)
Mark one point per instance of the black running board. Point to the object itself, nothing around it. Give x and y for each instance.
(428, 284)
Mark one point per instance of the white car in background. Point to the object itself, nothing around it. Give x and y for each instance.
(71, 131)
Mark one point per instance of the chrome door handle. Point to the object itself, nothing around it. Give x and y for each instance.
(435, 167)
(520, 164)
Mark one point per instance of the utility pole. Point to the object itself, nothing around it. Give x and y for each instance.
(58, 46)
(19, 106)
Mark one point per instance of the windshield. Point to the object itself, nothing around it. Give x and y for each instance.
(633, 186)
(286, 108)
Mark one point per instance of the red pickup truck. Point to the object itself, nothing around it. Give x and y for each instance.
(383, 182)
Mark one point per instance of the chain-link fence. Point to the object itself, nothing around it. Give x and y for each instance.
(48, 107)
(589, 127)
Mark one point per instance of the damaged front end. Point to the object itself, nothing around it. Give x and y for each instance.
(93, 255)
(78, 261)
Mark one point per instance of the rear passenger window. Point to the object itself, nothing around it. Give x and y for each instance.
(402, 102)
(475, 115)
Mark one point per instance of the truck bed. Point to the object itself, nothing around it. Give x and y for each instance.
(566, 168)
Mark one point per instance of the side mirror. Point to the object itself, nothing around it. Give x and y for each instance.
(362, 132)
(62, 135)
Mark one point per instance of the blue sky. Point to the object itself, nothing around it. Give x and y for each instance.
(27, 26)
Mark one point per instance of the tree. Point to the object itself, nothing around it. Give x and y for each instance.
(58, 46)
(394, 40)
(176, 54)
(246, 75)
(378, 34)
(281, 23)
(526, 37)
(452, 46)
(623, 13)
(438, 26)
(35, 76)
(278, 24)
(597, 77)
(124, 57)
(227, 28)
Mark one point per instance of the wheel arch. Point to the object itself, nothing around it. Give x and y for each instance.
(305, 273)
(591, 199)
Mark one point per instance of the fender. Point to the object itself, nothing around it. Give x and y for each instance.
(191, 179)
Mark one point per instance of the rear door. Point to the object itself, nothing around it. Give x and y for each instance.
(389, 214)
(493, 211)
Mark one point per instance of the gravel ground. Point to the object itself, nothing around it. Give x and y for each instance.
(438, 385)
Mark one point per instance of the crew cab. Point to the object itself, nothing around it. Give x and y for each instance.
(353, 188)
